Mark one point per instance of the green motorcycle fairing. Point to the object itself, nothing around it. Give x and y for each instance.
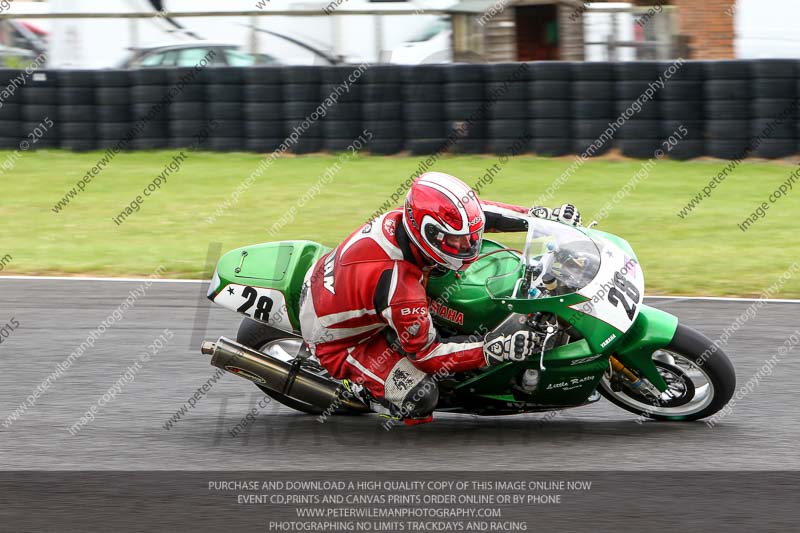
(264, 282)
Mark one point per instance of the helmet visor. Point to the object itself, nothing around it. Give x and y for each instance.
(459, 246)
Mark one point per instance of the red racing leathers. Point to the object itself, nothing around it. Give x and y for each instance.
(373, 281)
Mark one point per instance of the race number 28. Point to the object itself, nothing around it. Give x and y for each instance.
(619, 294)
(263, 307)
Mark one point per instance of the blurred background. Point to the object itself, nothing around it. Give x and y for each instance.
(113, 33)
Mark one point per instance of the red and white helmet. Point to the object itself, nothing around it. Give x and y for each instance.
(445, 220)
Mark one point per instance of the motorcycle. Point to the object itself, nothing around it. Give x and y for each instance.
(579, 290)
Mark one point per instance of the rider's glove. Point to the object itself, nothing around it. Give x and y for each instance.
(517, 346)
(567, 213)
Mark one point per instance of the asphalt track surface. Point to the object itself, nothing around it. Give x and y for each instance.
(55, 316)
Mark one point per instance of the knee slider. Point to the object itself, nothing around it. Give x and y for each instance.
(421, 400)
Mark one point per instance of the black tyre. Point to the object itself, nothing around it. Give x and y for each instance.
(687, 149)
(639, 148)
(263, 145)
(382, 110)
(263, 93)
(727, 70)
(386, 146)
(225, 110)
(460, 92)
(263, 111)
(727, 148)
(509, 109)
(727, 109)
(551, 147)
(229, 75)
(426, 146)
(40, 95)
(511, 90)
(149, 76)
(219, 92)
(392, 75)
(425, 129)
(111, 113)
(301, 92)
(594, 71)
(112, 78)
(591, 109)
(769, 107)
(76, 130)
(464, 72)
(700, 375)
(263, 75)
(550, 128)
(593, 90)
(141, 94)
(683, 109)
(774, 88)
(639, 129)
(776, 148)
(682, 90)
(423, 92)
(39, 112)
(381, 92)
(301, 74)
(423, 111)
(112, 96)
(727, 89)
(507, 129)
(728, 129)
(470, 146)
(75, 96)
(227, 144)
(270, 129)
(545, 109)
(257, 336)
(549, 90)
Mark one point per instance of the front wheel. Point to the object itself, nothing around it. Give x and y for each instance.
(700, 377)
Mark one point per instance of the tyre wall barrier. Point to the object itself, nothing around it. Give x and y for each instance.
(724, 109)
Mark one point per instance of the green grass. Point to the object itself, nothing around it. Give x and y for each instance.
(704, 253)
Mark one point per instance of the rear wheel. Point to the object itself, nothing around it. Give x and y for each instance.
(286, 347)
(699, 385)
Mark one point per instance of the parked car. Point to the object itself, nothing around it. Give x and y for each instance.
(188, 55)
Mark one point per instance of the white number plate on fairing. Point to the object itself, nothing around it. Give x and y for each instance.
(616, 293)
(264, 305)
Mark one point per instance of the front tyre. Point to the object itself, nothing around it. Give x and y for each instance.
(699, 385)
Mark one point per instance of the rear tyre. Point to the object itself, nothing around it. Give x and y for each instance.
(701, 384)
(259, 336)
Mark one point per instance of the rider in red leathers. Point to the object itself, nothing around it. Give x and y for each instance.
(364, 311)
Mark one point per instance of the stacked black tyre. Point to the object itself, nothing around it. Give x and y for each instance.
(263, 109)
(342, 121)
(187, 110)
(10, 113)
(637, 109)
(224, 94)
(423, 101)
(113, 110)
(550, 108)
(727, 98)
(149, 112)
(40, 107)
(507, 100)
(77, 110)
(382, 109)
(774, 90)
(683, 109)
(593, 107)
(466, 108)
(302, 98)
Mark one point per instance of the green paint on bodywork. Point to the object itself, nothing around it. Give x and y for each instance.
(274, 265)
(652, 330)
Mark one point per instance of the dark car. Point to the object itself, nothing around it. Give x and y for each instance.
(189, 54)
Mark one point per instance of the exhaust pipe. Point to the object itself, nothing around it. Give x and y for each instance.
(278, 376)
